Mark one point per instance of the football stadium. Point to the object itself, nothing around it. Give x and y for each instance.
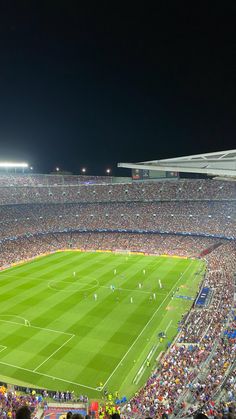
(118, 294)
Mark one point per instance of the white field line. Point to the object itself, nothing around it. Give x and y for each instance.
(52, 330)
(146, 325)
(2, 348)
(34, 327)
(13, 315)
(11, 322)
(143, 368)
(41, 328)
(87, 287)
(98, 285)
(50, 286)
(133, 290)
(81, 285)
(50, 356)
(48, 376)
(169, 324)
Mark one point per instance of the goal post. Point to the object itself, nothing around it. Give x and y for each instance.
(123, 252)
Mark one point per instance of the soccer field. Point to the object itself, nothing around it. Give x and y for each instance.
(88, 321)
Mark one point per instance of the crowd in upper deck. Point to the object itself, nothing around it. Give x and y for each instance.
(214, 218)
(59, 189)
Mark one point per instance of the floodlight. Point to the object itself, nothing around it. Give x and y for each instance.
(9, 165)
(83, 170)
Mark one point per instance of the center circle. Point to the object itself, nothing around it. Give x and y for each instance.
(81, 284)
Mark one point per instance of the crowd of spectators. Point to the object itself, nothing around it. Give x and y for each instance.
(207, 320)
(200, 342)
(57, 191)
(230, 387)
(20, 180)
(12, 251)
(53, 213)
(25, 403)
(214, 218)
(11, 401)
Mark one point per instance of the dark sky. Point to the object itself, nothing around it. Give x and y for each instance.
(100, 83)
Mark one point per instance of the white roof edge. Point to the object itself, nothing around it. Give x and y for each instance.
(215, 164)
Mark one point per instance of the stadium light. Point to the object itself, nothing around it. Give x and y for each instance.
(83, 170)
(57, 169)
(11, 165)
(108, 171)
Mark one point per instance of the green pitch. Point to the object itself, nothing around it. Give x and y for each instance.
(89, 321)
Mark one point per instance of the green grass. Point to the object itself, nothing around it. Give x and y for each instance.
(55, 335)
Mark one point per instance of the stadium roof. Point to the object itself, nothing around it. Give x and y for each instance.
(220, 163)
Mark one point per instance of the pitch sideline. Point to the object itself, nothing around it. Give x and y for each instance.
(146, 325)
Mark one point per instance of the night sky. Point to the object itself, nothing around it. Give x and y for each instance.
(96, 84)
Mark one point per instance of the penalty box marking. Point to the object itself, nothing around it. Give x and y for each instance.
(50, 356)
(30, 325)
(48, 376)
(40, 328)
(2, 348)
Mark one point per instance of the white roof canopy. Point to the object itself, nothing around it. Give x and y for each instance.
(220, 163)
